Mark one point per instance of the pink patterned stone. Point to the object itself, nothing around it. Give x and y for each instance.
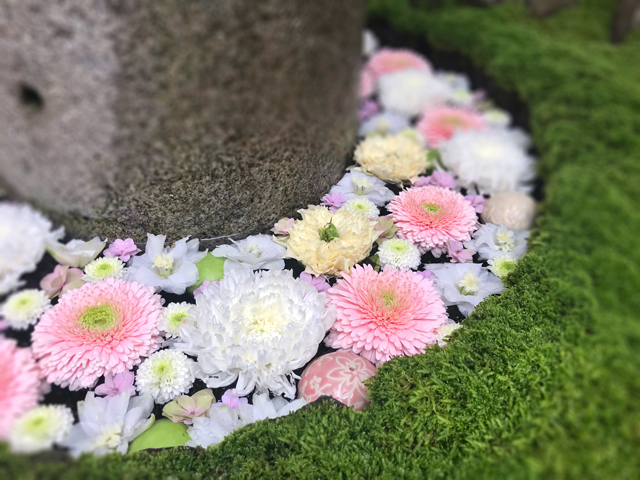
(340, 375)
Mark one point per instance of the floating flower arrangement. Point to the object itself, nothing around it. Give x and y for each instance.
(431, 218)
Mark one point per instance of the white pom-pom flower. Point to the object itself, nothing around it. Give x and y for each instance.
(491, 161)
(24, 308)
(502, 265)
(101, 268)
(174, 315)
(398, 253)
(165, 375)
(363, 206)
(445, 330)
(410, 92)
(40, 428)
(491, 240)
(357, 184)
(256, 327)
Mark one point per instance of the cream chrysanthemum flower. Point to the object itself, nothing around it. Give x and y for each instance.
(362, 205)
(174, 315)
(394, 158)
(25, 308)
(502, 265)
(329, 243)
(101, 268)
(400, 254)
(40, 428)
(165, 375)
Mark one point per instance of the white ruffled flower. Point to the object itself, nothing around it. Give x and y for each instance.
(24, 234)
(76, 253)
(165, 375)
(40, 428)
(398, 253)
(357, 184)
(464, 284)
(101, 268)
(25, 308)
(223, 420)
(361, 205)
(255, 251)
(369, 43)
(256, 327)
(491, 240)
(491, 161)
(445, 330)
(411, 92)
(108, 424)
(502, 265)
(174, 315)
(172, 269)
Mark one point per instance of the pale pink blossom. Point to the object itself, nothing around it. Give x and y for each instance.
(384, 315)
(63, 279)
(116, 384)
(477, 202)
(438, 179)
(388, 60)
(320, 283)
(123, 249)
(458, 254)
(438, 124)
(283, 226)
(367, 84)
(333, 200)
(231, 400)
(367, 109)
(204, 286)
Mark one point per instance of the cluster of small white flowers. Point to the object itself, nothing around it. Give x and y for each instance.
(491, 240)
(24, 308)
(165, 375)
(398, 253)
(255, 252)
(502, 265)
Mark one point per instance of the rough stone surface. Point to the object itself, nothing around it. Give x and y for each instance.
(544, 8)
(625, 18)
(182, 117)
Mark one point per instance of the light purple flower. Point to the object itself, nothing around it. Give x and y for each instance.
(320, 283)
(115, 385)
(333, 200)
(283, 226)
(204, 285)
(425, 274)
(230, 400)
(367, 109)
(123, 249)
(477, 202)
(63, 279)
(438, 179)
(458, 253)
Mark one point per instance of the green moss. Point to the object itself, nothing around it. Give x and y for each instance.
(542, 381)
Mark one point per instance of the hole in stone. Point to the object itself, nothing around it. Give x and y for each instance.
(30, 97)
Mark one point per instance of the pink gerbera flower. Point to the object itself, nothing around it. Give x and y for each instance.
(432, 216)
(20, 383)
(384, 315)
(389, 60)
(439, 124)
(100, 328)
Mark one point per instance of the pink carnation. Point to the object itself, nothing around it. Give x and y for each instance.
(20, 383)
(432, 216)
(123, 249)
(384, 315)
(100, 328)
(388, 60)
(439, 124)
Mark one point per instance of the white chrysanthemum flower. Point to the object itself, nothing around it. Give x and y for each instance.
(40, 428)
(256, 327)
(174, 315)
(101, 268)
(502, 265)
(255, 251)
(165, 375)
(491, 161)
(395, 158)
(363, 206)
(24, 234)
(497, 118)
(447, 329)
(357, 184)
(411, 92)
(108, 424)
(222, 419)
(25, 308)
(491, 240)
(369, 43)
(171, 269)
(398, 253)
(330, 243)
(76, 253)
(464, 284)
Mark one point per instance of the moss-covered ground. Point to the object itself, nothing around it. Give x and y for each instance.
(543, 381)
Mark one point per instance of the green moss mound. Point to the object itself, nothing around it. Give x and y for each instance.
(542, 381)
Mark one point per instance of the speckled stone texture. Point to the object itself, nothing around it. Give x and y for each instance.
(182, 117)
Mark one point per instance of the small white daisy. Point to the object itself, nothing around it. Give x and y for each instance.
(24, 308)
(40, 428)
(399, 253)
(172, 317)
(447, 329)
(502, 265)
(105, 267)
(165, 375)
(362, 205)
